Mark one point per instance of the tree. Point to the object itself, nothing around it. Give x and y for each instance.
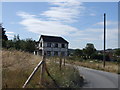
(30, 45)
(16, 41)
(117, 52)
(78, 52)
(9, 44)
(4, 37)
(89, 50)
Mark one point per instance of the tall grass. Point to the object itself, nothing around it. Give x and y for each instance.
(17, 66)
(95, 64)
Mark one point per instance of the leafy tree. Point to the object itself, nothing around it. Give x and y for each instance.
(9, 44)
(117, 52)
(89, 50)
(78, 52)
(30, 45)
(16, 41)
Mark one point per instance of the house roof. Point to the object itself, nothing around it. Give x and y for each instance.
(53, 39)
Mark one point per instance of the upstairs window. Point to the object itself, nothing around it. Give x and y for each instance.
(48, 44)
(63, 45)
(56, 45)
(40, 44)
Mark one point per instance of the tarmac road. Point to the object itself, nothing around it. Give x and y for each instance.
(98, 79)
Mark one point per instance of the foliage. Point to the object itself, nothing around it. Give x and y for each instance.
(89, 50)
(27, 45)
(78, 52)
(117, 52)
(17, 66)
(4, 37)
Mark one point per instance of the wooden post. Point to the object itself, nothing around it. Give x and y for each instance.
(42, 71)
(60, 62)
(64, 61)
(31, 75)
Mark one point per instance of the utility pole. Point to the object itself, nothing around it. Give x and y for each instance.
(104, 39)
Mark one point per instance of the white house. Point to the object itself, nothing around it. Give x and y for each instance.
(52, 46)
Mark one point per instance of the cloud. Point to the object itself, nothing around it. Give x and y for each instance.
(10, 34)
(92, 14)
(67, 11)
(45, 27)
(57, 18)
(109, 23)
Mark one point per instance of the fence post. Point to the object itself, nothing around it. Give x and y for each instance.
(64, 61)
(60, 62)
(42, 70)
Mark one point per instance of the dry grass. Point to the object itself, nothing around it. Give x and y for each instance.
(110, 66)
(67, 77)
(17, 66)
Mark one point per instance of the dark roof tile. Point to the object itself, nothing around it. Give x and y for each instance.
(53, 39)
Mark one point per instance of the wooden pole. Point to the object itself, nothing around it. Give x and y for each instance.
(35, 69)
(42, 70)
(64, 61)
(104, 39)
(60, 62)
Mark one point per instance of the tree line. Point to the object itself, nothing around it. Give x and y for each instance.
(27, 45)
(90, 52)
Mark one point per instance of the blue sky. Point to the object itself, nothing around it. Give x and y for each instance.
(78, 22)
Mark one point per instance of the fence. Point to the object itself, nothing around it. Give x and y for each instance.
(42, 63)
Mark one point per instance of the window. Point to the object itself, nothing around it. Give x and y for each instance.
(40, 44)
(56, 53)
(56, 45)
(48, 44)
(63, 45)
(48, 53)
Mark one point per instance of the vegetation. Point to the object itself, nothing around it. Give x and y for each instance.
(89, 50)
(17, 66)
(27, 45)
(96, 64)
(117, 52)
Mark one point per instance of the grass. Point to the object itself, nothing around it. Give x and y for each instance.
(95, 64)
(18, 65)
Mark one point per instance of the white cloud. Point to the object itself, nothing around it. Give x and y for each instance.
(108, 23)
(10, 32)
(92, 14)
(57, 20)
(10, 36)
(66, 11)
(58, 16)
(45, 27)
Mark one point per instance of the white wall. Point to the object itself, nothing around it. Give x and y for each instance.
(44, 48)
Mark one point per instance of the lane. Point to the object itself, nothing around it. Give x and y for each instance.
(98, 79)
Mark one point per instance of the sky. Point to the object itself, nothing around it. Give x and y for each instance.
(78, 22)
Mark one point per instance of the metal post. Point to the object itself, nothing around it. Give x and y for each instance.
(104, 39)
